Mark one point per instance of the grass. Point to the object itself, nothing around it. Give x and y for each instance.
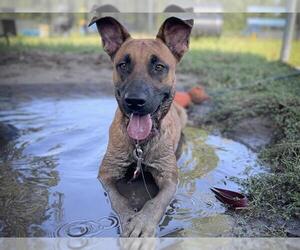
(274, 195)
(76, 44)
(267, 48)
(243, 86)
(228, 69)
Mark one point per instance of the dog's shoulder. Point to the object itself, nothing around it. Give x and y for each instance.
(176, 117)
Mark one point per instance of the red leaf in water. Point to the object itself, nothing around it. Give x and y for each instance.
(231, 198)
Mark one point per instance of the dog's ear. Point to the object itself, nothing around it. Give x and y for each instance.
(112, 33)
(175, 33)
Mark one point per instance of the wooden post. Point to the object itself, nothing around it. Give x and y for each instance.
(288, 31)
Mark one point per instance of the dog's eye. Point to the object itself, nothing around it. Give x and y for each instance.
(159, 67)
(122, 66)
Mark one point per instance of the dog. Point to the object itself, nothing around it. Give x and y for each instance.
(146, 119)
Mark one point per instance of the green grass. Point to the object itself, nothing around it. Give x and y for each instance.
(274, 195)
(227, 69)
(267, 48)
(76, 44)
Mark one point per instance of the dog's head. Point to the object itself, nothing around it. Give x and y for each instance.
(144, 70)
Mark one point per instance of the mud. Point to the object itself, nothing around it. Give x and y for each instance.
(254, 132)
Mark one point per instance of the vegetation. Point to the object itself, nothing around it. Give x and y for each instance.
(247, 85)
(212, 47)
(75, 43)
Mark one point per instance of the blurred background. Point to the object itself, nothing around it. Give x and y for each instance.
(54, 22)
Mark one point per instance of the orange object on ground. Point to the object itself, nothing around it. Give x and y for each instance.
(198, 95)
(183, 99)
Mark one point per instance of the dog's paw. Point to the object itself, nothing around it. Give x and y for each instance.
(139, 225)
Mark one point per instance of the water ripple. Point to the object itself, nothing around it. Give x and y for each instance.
(186, 207)
(86, 228)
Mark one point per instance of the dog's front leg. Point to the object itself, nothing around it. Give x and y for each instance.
(108, 176)
(144, 223)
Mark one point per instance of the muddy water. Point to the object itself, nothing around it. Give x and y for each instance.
(48, 174)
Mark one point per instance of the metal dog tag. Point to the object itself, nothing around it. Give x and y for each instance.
(137, 153)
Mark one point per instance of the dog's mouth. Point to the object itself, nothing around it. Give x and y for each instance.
(139, 127)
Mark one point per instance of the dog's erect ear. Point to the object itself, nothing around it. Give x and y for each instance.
(175, 33)
(112, 33)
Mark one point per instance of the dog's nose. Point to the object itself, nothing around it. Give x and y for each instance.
(135, 102)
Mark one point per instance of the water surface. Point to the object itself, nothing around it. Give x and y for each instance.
(48, 174)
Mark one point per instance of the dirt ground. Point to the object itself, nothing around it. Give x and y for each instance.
(93, 72)
(25, 69)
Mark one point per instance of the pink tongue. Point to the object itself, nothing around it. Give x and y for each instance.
(139, 127)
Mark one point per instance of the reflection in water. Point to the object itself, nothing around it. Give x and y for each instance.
(48, 183)
(57, 206)
(24, 188)
(135, 191)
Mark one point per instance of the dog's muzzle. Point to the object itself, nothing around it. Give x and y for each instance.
(139, 97)
(140, 101)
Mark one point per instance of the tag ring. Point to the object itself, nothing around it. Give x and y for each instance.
(137, 153)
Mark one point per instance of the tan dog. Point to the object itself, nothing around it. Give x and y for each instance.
(146, 119)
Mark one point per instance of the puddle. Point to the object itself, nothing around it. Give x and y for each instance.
(48, 175)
